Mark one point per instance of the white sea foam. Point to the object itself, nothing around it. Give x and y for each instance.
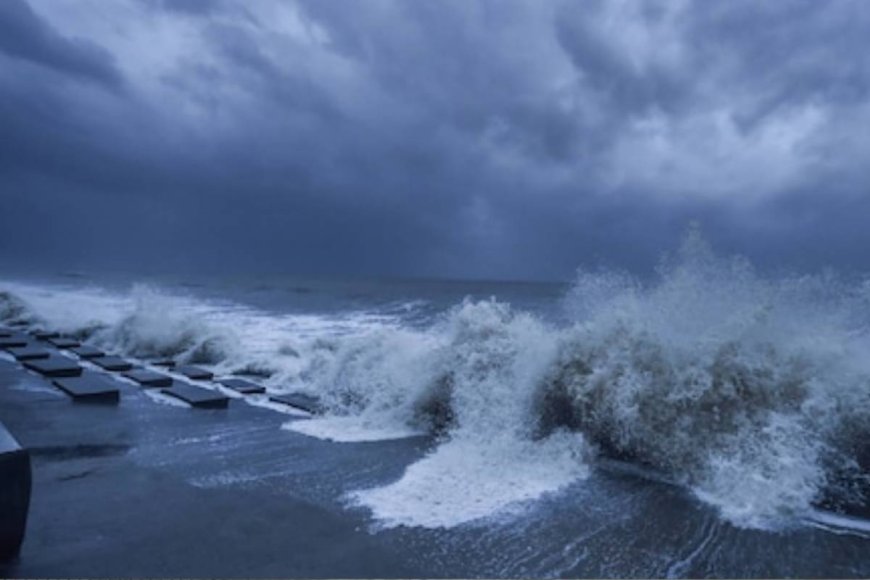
(158, 397)
(352, 429)
(265, 403)
(754, 391)
(840, 524)
(64, 308)
(467, 480)
(493, 361)
(743, 387)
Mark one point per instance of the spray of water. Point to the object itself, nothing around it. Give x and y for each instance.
(752, 390)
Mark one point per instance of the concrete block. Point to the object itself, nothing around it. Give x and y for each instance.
(44, 334)
(197, 396)
(195, 373)
(112, 363)
(243, 386)
(148, 378)
(14, 340)
(29, 352)
(15, 485)
(91, 387)
(54, 366)
(299, 401)
(64, 342)
(86, 351)
(6, 331)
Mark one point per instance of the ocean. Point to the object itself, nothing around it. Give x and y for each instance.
(720, 409)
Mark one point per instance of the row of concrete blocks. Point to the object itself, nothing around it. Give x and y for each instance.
(87, 386)
(83, 385)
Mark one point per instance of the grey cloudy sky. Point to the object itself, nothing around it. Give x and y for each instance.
(431, 138)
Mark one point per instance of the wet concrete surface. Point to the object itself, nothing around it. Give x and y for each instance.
(15, 486)
(155, 488)
(109, 500)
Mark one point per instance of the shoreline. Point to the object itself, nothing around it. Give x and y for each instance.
(159, 490)
(103, 504)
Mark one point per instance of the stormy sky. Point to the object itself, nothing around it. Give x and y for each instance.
(490, 139)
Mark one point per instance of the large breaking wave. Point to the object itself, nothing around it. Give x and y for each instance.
(752, 390)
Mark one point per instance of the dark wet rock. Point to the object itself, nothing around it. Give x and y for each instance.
(433, 410)
(555, 410)
(847, 489)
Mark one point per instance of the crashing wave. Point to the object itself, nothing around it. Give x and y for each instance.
(753, 391)
(14, 310)
(161, 326)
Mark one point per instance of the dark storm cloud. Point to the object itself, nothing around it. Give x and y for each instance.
(194, 7)
(23, 35)
(506, 139)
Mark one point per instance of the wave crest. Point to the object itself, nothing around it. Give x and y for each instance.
(159, 325)
(753, 390)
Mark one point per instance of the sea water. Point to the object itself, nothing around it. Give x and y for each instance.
(750, 390)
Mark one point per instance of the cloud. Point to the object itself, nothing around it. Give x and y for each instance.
(192, 7)
(25, 36)
(486, 139)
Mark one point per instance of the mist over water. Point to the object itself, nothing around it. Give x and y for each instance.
(752, 390)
